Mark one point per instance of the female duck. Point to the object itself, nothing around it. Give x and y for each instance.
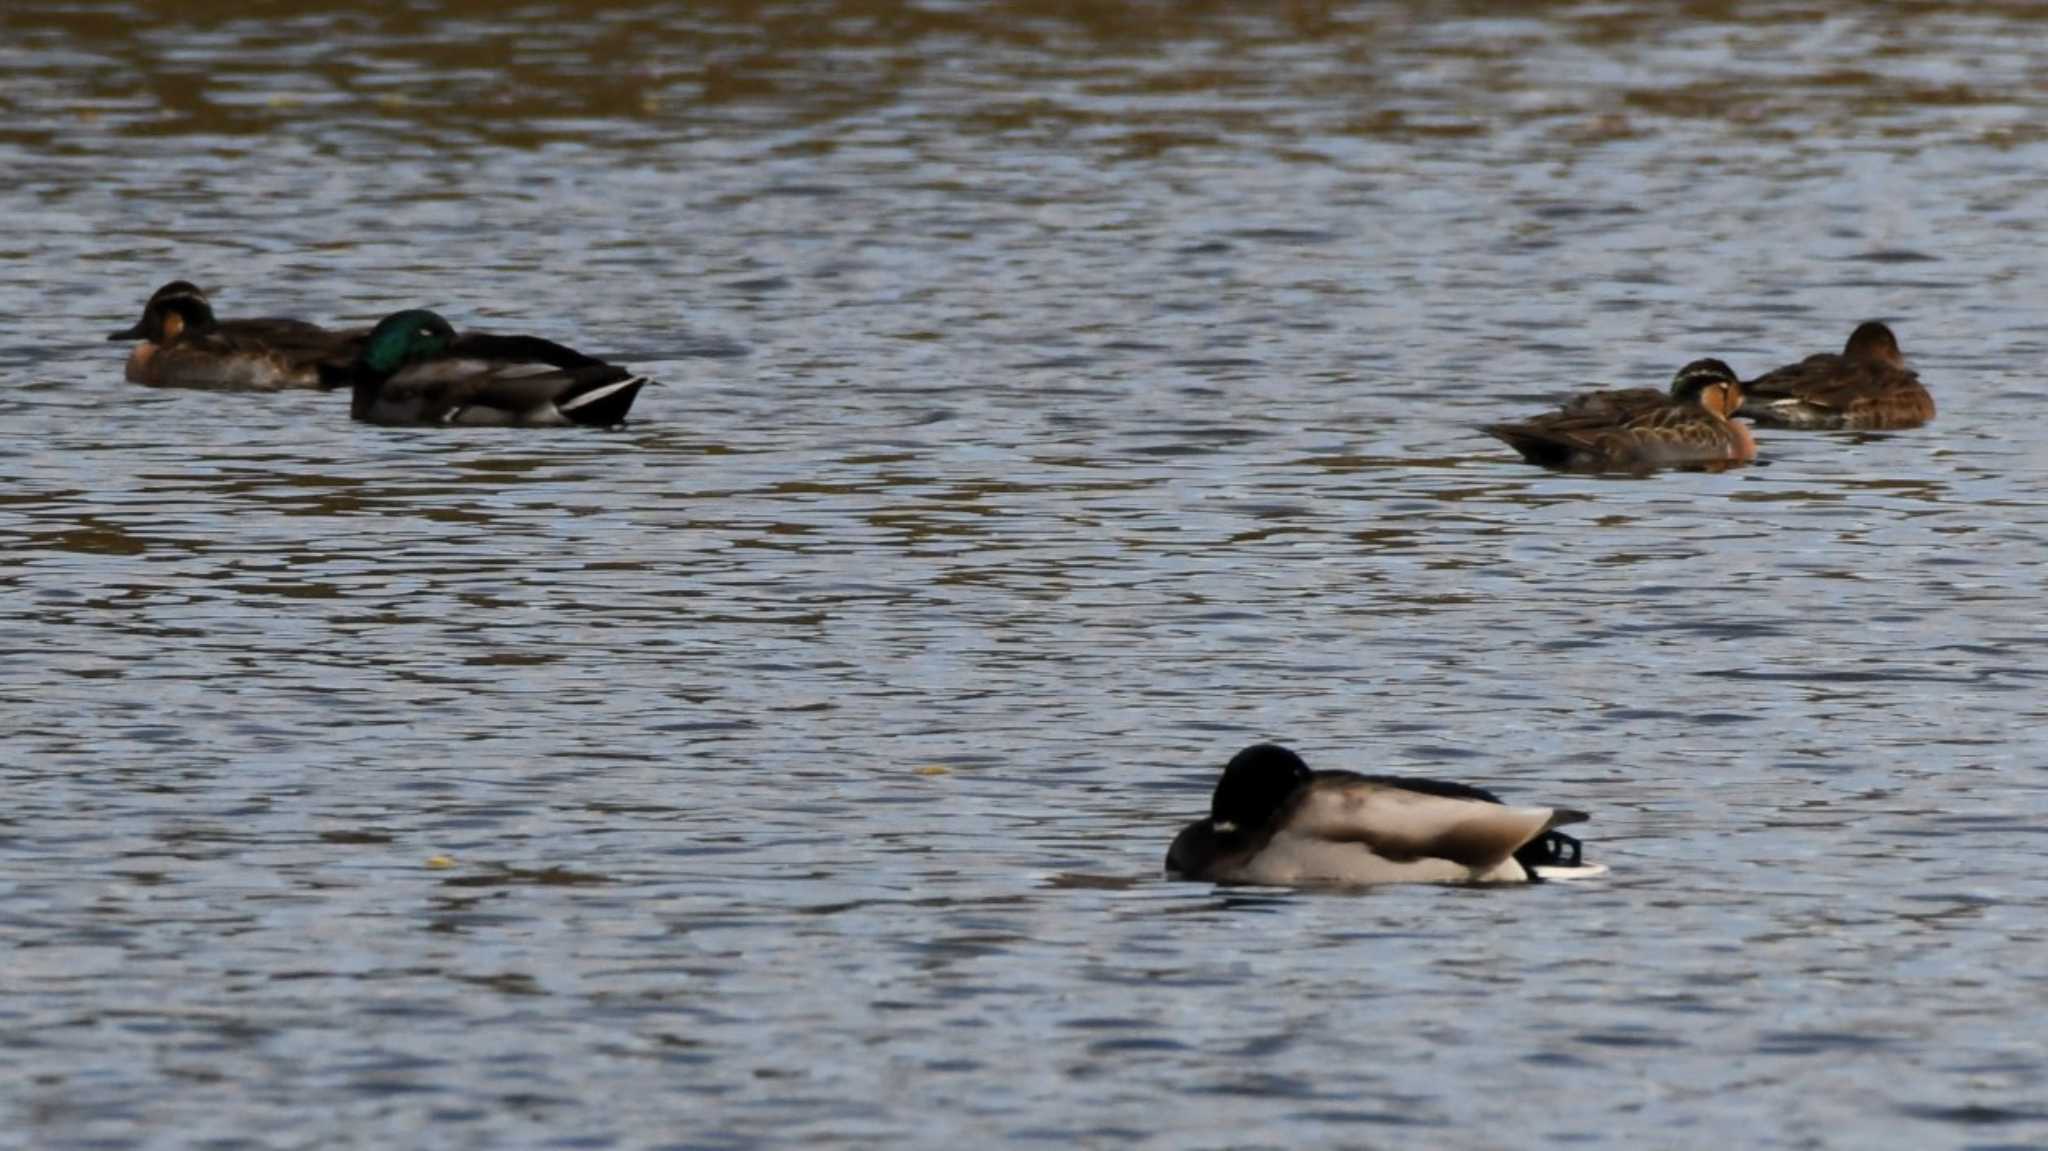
(1639, 429)
(414, 369)
(184, 346)
(1867, 387)
(1273, 821)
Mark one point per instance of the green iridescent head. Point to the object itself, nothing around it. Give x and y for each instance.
(404, 337)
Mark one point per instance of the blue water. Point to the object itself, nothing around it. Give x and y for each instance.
(1053, 404)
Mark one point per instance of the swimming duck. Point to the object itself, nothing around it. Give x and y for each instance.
(414, 369)
(1637, 429)
(1867, 387)
(1272, 821)
(184, 346)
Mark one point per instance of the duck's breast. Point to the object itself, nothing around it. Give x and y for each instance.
(142, 363)
(1903, 405)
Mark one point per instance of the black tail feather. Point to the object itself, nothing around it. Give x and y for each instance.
(1551, 849)
(1534, 446)
(603, 412)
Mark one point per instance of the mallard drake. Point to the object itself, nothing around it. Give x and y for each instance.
(1272, 821)
(184, 346)
(1867, 387)
(1638, 429)
(414, 369)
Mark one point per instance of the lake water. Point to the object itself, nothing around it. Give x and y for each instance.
(1057, 399)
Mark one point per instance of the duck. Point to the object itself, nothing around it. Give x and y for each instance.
(1866, 388)
(1640, 429)
(413, 368)
(185, 346)
(1274, 822)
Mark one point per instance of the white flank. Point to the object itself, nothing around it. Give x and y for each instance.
(1582, 871)
(519, 371)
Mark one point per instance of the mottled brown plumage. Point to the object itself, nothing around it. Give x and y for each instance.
(1640, 429)
(184, 346)
(1867, 387)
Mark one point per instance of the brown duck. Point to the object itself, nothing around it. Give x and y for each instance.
(184, 346)
(1640, 429)
(1867, 387)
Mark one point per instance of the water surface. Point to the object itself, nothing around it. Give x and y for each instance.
(1057, 399)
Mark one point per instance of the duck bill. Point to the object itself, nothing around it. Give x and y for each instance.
(134, 333)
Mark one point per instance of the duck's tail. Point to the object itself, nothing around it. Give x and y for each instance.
(1534, 446)
(602, 405)
(1555, 855)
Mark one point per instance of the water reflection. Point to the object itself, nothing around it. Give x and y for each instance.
(1058, 397)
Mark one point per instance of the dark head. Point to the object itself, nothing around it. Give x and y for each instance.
(1709, 383)
(175, 308)
(403, 338)
(1256, 785)
(1873, 342)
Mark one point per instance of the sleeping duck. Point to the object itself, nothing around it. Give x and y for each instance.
(414, 369)
(1867, 387)
(1274, 822)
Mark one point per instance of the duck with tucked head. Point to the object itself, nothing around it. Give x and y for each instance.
(1274, 822)
(1867, 388)
(184, 346)
(414, 369)
(1640, 429)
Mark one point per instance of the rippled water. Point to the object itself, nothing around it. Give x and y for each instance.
(1057, 399)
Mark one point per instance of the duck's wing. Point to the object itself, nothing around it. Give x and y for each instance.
(1583, 432)
(1585, 417)
(1401, 820)
(1548, 855)
(1616, 405)
(600, 396)
(289, 347)
(1855, 384)
(484, 379)
(1676, 432)
(282, 324)
(285, 335)
(514, 350)
(1832, 391)
(1812, 374)
(535, 376)
(1442, 787)
(254, 355)
(1543, 440)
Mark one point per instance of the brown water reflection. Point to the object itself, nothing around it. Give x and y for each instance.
(1139, 79)
(1057, 397)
